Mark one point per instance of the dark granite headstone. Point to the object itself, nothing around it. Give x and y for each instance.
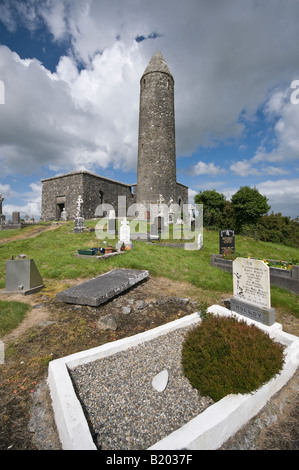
(226, 241)
(100, 289)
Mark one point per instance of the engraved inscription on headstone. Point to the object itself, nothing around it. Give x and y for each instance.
(226, 241)
(251, 279)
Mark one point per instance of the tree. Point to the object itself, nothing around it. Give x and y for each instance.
(213, 205)
(249, 206)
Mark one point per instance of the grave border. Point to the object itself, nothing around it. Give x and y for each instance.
(208, 431)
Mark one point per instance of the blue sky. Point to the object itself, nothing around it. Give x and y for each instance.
(71, 69)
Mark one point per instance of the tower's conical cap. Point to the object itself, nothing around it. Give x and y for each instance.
(157, 64)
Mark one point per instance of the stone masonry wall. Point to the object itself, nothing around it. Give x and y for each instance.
(182, 194)
(94, 190)
(98, 190)
(67, 186)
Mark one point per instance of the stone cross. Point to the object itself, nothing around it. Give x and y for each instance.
(124, 234)
(79, 204)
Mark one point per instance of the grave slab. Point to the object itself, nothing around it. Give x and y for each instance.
(102, 288)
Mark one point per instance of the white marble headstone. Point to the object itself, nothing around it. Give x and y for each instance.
(124, 232)
(251, 280)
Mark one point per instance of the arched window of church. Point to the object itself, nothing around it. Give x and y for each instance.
(101, 197)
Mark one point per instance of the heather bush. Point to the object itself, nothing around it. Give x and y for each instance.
(223, 355)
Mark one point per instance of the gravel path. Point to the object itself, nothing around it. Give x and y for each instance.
(124, 410)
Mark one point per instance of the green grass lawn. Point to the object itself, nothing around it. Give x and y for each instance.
(11, 314)
(53, 252)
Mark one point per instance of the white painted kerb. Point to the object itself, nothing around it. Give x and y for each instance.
(209, 430)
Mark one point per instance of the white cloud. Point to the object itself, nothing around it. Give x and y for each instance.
(224, 61)
(69, 120)
(6, 191)
(202, 168)
(191, 194)
(31, 202)
(244, 168)
(286, 130)
(283, 195)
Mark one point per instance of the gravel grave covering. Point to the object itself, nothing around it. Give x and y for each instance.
(124, 411)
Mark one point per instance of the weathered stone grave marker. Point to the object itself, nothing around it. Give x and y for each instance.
(251, 282)
(79, 220)
(16, 218)
(23, 276)
(102, 288)
(226, 241)
(112, 223)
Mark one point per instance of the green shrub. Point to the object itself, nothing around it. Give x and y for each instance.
(223, 355)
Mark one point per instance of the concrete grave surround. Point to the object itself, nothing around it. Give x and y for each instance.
(208, 431)
(102, 288)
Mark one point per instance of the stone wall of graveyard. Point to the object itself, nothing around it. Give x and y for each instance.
(93, 189)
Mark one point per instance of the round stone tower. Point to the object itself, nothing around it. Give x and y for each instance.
(156, 168)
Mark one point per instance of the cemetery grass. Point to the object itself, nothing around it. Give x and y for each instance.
(66, 329)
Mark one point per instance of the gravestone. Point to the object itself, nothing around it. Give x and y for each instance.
(160, 222)
(63, 214)
(16, 219)
(111, 223)
(79, 220)
(199, 241)
(124, 234)
(23, 276)
(154, 235)
(102, 288)
(226, 241)
(251, 283)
